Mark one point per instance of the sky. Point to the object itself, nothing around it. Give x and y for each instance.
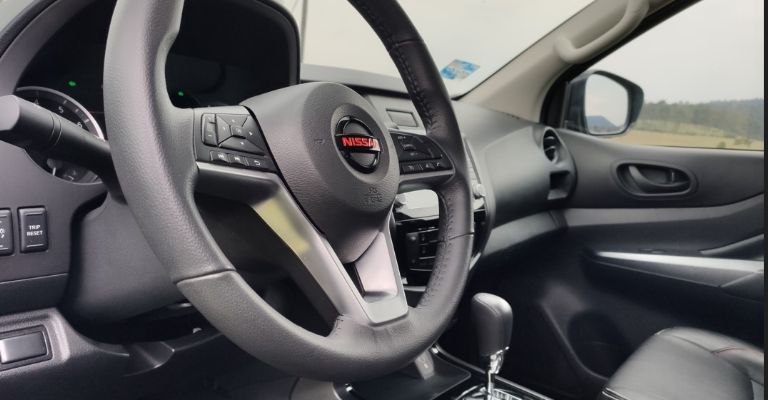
(712, 51)
(484, 33)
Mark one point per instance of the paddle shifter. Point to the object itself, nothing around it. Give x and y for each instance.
(492, 317)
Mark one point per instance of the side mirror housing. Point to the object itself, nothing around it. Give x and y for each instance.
(602, 104)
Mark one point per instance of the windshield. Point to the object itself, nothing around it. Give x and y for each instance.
(469, 39)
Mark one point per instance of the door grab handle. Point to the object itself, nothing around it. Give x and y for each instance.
(651, 187)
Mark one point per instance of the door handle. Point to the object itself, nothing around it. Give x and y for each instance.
(653, 180)
(649, 186)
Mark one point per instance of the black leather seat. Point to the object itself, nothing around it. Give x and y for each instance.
(688, 364)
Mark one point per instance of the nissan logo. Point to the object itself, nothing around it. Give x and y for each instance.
(357, 145)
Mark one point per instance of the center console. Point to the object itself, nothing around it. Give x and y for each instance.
(436, 375)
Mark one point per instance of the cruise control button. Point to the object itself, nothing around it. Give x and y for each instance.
(33, 229)
(219, 156)
(410, 168)
(429, 166)
(243, 145)
(408, 146)
(6, 232)
(233, 119)
(414, 156)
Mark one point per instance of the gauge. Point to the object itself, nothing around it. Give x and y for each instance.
(68, 108)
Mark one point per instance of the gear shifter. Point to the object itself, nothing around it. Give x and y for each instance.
(492, 317)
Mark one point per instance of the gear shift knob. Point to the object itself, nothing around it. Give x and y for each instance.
(492, 317)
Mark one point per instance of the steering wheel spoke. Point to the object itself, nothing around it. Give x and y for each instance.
(367, 290)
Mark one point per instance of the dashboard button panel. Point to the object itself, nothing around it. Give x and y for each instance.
(6, 233)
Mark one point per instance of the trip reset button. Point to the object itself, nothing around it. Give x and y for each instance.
(33, 229)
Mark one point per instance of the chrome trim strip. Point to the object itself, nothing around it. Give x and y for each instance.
(686, 261)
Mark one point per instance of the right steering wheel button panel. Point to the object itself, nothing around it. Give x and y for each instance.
(418, 153)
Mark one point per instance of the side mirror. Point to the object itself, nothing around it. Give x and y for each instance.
(602, 104)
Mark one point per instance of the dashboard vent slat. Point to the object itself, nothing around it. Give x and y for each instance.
(551, 145)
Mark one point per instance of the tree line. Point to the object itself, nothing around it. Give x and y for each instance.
(730, 118)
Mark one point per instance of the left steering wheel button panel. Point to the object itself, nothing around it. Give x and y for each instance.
(233, 139)
(6, 233)
(33, 226)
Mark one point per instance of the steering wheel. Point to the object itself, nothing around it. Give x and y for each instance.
(324, 183)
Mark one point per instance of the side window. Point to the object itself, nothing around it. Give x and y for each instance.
(702, 74)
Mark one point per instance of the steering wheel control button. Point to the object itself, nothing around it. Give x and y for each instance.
(411, 168)
(222, 128)
(219, 157)
(33, 229)
(22, 347)
(442, 165)
(6, 233)
(233, 120)
(238, 159)
(357, 145)
(244, 145)
(252, 132)
(261, 164)
(209, 130)
(424, 166)
(418, 153)
(238, 131)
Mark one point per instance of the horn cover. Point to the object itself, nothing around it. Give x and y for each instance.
(347, 194)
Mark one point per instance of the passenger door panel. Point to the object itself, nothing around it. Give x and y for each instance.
(719, 177)
(632, 264)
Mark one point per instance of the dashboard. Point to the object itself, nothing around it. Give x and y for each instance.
(65, 74)
(521, 171)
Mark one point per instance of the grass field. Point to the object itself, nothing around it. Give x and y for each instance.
(686, 140)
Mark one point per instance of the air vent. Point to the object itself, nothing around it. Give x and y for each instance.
(551, 145)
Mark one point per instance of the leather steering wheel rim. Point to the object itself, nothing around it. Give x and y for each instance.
(152, 147)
